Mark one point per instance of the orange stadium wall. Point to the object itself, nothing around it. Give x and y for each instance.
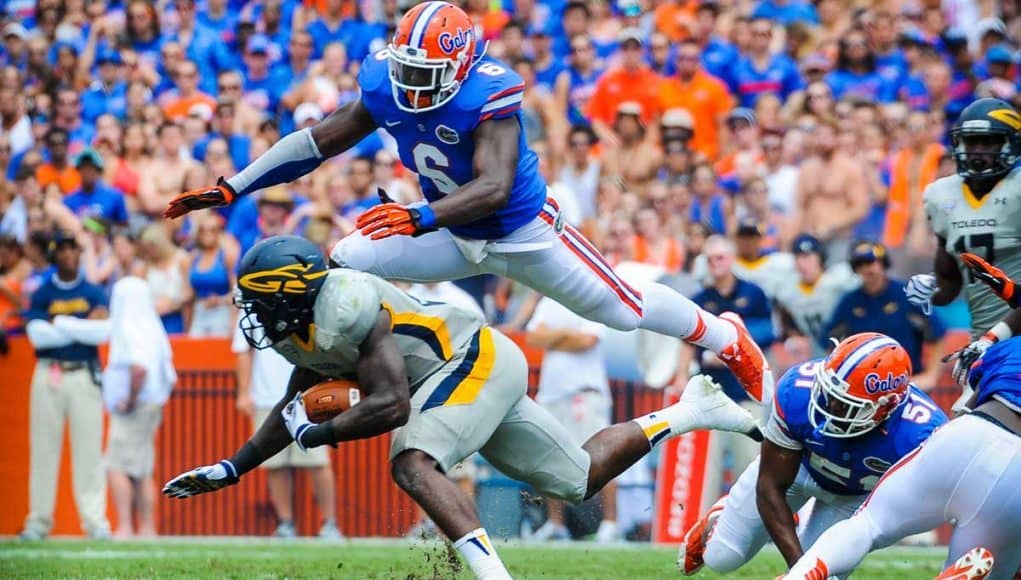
(202, 425)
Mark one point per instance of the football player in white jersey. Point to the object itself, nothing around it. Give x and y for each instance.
(448, 384)
(804, 307)
(977, 211)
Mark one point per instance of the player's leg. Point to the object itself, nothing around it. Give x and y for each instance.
(432, 257)
(453, 415)
(570, 270)
(882, 519)
(986, 505)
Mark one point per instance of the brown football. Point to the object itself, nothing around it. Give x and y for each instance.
(329, 399)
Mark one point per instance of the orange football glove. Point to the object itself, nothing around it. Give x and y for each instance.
(997, 280)
(391, 219)
(217, 195)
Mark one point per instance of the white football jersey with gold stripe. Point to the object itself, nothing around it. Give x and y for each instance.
(428, 334)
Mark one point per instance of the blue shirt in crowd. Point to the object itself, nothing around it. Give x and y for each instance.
(102, 202)
(780, 77)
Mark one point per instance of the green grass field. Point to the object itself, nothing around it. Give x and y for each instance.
(261, 558)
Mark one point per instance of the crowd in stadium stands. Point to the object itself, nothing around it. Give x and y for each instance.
(785, 132)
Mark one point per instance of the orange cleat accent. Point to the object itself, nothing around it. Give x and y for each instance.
(744, 358)
(974, 565)
(689, 560)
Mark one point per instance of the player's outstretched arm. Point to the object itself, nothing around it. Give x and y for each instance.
(495, 164)
(386, 398)
(778, 468)
(271, 438)
(288, 159)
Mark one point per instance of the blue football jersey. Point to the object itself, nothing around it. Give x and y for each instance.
(998, 374)
(438, 144)
(847, 466)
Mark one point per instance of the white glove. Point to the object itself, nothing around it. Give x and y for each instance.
(920, 289)
(296, 419)
(966, 357)
(202, 480)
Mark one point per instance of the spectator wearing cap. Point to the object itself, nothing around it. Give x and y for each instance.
(224, 127)
(760, 71)
(631, 155)
(179, 102)
(706, 98)
(546, 64)
(631, 81)
(989, 32)
(996, 64)
(65, 388)
(95, 198)
(786, 12)
(352, 31)
(880, 305)
(804, 307)
(911, 169)
(259, 90)
(14, 45)
(58, 172)
(108, 93)
(14, 121)
(855, 74)
(743, 128)
(756, 260)
(577, 81)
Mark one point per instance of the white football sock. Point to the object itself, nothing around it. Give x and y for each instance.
(478, 552)
(668, 312)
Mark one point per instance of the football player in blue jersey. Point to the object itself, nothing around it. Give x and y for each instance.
(837, 425)
(456, 116)
(967, 475)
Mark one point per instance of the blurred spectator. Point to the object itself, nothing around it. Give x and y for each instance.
(705, 97)
(58, 171)
(576, 83)
(786, 11)
(224, 127)
(630, 155)
(545, 64)
(94, 198)
(652, 244)
(108, 93)
(137, 381)
(165, 268)
(14, 121)
(133, 161)
(753, 208)
(726, 292)
(211, 276)
(743, 129)
(541, 118)
(352, 31)
(718, 54)
(185, 97)
(580, 173)
(758, 70)
(14, 269)
(573, 386)
(911, 169)
(384, 166)
(804, 307)
(708, 204)
(262, 376)
(271, 207)
(770, 271)
(143, 31)
(65, 388)
(67, 115)
(781, 177)
(881, 306)
(167, 172)
(631, 81)
(831, 193)
(856, 73)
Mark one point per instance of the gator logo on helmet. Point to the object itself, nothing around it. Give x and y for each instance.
(290, 279)
(1008, 117)
(875, 384)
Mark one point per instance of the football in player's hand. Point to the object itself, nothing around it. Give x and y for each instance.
(329, 399)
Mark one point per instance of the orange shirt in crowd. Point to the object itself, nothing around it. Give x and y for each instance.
(707, 99)
(9, 309)
(671, 259)
(620, 86)
(179, 107)
(67, 179)
(671, 19)
(901, 202)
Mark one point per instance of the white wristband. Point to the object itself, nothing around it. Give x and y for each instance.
(1001, 330)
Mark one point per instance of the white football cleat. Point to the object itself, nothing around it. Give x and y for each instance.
(974, 565)
(705, 406)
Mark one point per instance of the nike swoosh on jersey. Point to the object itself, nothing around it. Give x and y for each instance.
(392, 124)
